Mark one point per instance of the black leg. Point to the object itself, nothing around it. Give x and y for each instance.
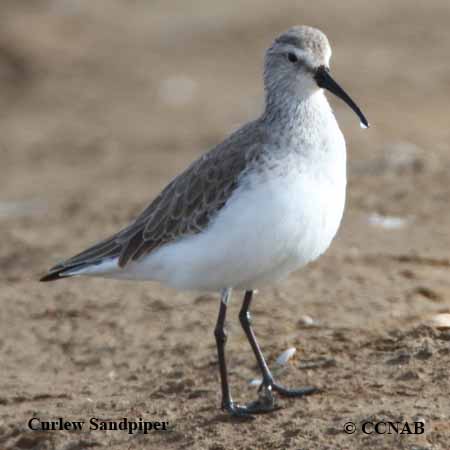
(221, 339)
(246, 321)
(268, 383)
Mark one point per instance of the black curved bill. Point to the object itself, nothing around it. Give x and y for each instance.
(325, 80)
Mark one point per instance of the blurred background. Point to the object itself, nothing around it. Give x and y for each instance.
(102, 102)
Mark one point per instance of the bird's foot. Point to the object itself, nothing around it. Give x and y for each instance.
(237, 411)
(299, 392)
(265, 403)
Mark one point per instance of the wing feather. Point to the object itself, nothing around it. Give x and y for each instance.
(185, 207)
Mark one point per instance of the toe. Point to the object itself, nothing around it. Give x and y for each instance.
(299, 392)
(261, 407)
(237, 411)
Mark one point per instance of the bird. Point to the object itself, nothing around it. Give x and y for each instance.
(263, 203)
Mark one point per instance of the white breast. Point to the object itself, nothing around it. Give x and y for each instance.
(276, 223)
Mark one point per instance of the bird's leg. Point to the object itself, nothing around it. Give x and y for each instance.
(268, 384)
(220, 333)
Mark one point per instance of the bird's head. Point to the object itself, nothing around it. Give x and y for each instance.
(298, 65)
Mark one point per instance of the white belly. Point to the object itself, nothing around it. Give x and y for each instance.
(264, 232)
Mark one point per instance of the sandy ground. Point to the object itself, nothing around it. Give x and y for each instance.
(101, 104)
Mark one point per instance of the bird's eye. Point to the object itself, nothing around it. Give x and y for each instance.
(292, 57)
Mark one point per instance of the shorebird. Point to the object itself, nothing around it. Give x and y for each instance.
(266, 201)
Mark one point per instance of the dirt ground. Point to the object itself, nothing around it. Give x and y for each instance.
(101, 103)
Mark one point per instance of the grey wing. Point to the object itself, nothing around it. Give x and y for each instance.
(185, 207)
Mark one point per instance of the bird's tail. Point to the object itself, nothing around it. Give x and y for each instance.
(58, 272)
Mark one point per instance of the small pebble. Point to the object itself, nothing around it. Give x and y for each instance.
(306, 321)
(441, 321)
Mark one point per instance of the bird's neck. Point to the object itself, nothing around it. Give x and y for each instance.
(286, 114)
(307, 131)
